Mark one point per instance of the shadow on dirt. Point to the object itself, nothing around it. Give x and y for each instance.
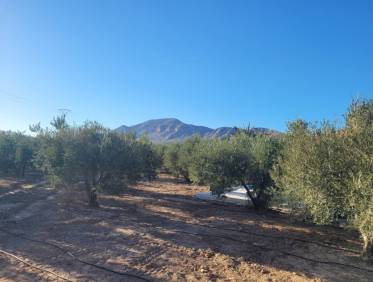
(157, 235)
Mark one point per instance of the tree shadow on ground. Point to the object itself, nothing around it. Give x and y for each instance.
(264, 236)
(160, 235)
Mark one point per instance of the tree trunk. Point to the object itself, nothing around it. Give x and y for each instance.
(186, 178)
(368, 247)
(92, 196)
(258, 202)
(251, 197)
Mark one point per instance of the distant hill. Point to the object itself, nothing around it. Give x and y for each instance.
(171, 129)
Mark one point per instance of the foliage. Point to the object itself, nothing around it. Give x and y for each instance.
(178, 157)
(313, 159)
(16, 153)
(359, 149)
(170, 159)
(327, 171)
(149, 158)
(243, 159)
(100, 158)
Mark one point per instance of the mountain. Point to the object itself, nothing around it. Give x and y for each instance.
(171, 129)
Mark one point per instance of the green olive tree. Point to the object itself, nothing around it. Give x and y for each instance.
(243, 160)
(326, 171)
(101, 159)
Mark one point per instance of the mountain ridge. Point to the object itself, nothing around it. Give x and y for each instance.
(166, 130)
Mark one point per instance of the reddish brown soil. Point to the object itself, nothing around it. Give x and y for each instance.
(159, 231)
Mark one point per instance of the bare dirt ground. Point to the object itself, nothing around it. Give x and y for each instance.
(159, 232)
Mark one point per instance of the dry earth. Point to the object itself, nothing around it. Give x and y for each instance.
(159, 232)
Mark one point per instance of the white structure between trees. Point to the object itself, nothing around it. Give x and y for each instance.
(236, 195)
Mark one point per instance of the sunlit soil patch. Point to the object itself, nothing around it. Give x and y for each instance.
(159, 231)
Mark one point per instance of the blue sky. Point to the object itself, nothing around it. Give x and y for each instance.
(214, 63)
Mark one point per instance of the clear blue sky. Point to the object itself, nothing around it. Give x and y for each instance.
(214, 63)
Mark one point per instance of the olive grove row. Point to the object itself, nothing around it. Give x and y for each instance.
(323, 172)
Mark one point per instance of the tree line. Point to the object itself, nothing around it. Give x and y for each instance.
(90, 156)
(323, 172)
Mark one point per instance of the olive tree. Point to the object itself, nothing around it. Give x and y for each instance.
(16, 153)
(326, 171)
(101, 159)
(242, 160)
(359, 140)
(171, 159)
(178, 157)
(149, 157)
(312, 171)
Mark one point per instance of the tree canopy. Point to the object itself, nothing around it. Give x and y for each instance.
(100, 158)
(327, 172)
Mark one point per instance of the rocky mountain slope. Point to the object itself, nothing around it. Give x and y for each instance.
(171, 129)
